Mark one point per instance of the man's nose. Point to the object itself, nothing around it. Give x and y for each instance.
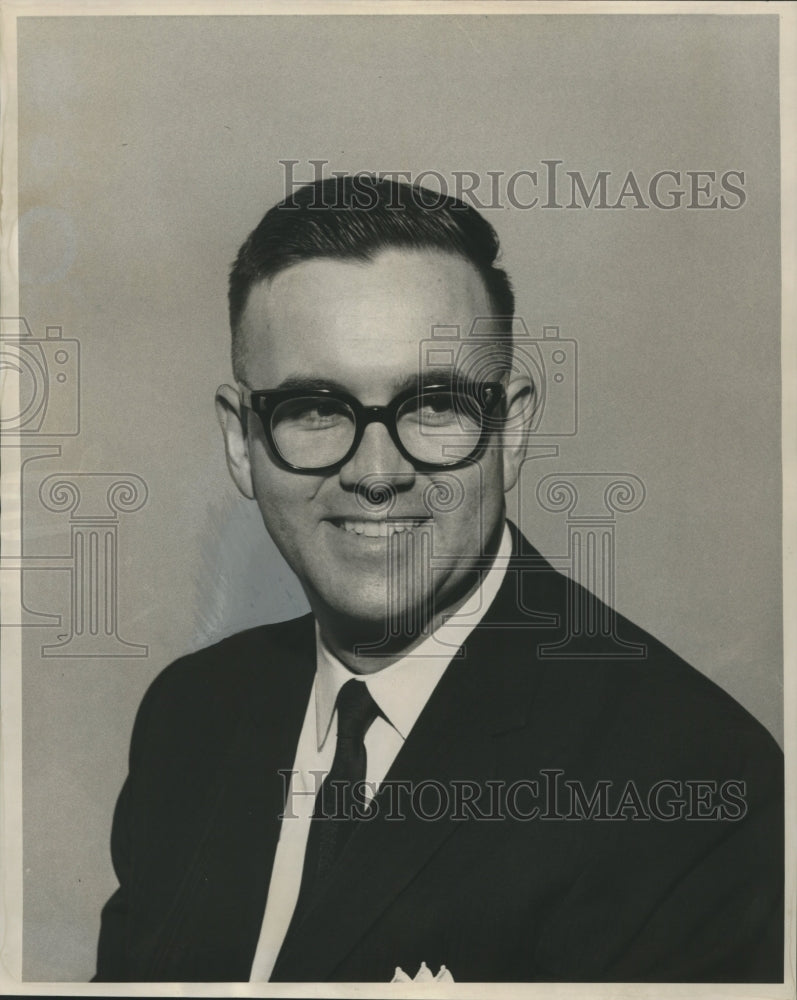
(377, 456)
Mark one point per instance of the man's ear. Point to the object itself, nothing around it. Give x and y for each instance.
(520, 405)
(236, 443)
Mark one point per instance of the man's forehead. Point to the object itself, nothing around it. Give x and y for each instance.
(363, 323)
(422, 286)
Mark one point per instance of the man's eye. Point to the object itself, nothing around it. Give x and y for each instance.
(437, 409)
(322, 415)
(312, 414)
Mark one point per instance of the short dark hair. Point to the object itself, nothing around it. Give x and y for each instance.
(354, 217)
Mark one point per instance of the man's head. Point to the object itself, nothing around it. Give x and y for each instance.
(355, 219)
(379, 464)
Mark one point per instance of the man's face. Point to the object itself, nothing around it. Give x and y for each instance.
(359, 327)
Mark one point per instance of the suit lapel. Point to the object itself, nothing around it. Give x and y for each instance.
(216, 918)
(453, 740)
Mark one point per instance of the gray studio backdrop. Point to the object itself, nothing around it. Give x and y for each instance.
(149, 147)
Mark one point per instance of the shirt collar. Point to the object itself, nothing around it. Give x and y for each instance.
(402, 689)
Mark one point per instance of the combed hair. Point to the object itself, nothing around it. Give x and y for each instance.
(355, 217)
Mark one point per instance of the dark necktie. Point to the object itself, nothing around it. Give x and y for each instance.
(333, 820)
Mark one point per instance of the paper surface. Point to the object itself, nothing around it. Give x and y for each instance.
(635, 161)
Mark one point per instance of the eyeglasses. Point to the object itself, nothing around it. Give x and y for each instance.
(433, 426)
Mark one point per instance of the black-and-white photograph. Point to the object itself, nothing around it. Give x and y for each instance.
(393, 520)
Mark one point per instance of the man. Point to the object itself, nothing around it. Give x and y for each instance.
(405, 779)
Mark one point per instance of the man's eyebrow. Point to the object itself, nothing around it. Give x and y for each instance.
(308, 383)
(429, 376)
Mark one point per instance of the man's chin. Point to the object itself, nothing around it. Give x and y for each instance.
(373, 615)
(368, 612)
(372, 622)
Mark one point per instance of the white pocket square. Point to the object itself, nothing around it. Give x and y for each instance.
(423, 975)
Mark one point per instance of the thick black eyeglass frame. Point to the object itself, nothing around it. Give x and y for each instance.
(263, 402)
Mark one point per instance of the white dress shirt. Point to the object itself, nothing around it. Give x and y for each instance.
(401, 691)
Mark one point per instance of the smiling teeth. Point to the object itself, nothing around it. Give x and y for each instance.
(378, 529)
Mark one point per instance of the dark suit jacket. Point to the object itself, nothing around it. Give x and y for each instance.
(633, 898)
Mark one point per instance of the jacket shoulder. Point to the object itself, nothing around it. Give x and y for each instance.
(618, 680)
(203, 693)
(261, 648)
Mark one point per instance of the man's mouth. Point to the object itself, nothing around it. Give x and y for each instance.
(378, 529)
